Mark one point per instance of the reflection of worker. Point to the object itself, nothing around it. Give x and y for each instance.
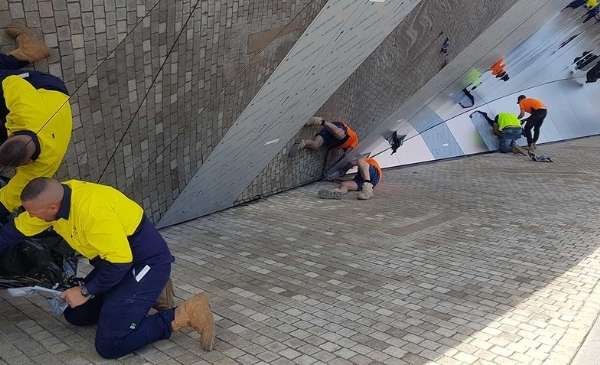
(499, 70)
(368, 176)
(537, 113)
(131, 260)
(508, 129)
(575, 4)
(593, 9)
(332, 135)
(36, 115)
(580, 62)
(471, 81)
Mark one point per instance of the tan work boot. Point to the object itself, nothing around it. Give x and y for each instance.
(166, 299)
(29, 47)
(314, 122)
(195, 312)
(367, 192)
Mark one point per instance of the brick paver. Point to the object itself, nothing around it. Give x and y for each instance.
(491, 260)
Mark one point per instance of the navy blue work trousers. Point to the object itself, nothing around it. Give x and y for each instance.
(122, 313)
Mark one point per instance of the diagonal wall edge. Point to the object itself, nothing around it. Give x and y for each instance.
(336, 43)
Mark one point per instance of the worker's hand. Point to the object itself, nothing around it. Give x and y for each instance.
(73, 297)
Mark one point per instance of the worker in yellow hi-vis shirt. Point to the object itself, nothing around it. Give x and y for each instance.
(131, 260)
(36, 118)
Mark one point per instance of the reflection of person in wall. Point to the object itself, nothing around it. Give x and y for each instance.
(368, 176)
(472, 81)
(593, 74)
(507, 127)
(580, 62)
(593, 10)
(499, 70)
(332, 135)
(537, 113)
(131, 261)
(35, 115)
(575, 4)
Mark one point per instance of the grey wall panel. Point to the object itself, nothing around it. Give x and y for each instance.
(484, 132)
(425, 119)
(441, 142)
(344, 34)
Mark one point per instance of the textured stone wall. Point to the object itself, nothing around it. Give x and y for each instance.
(403, 63)
(156, 84)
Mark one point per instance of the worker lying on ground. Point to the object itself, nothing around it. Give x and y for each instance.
(131, 261)
(368, 176)
(507, 127)
(332, 135)
(35, 115)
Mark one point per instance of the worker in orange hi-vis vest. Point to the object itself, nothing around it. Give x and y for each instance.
(332, 135)
(369, 175)
(499, 70)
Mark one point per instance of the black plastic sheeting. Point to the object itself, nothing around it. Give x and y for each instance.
(45, 260)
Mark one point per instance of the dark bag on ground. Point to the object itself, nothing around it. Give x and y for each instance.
(45, 260)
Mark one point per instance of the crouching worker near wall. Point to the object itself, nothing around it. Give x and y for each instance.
(507, 127)
(368, 176)
(131, 261)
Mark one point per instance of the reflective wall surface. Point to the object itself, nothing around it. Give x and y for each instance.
(540, 65)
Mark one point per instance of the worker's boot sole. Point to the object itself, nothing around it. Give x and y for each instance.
(330, 194)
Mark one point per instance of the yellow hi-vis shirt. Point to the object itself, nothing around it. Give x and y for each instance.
(97, 223)
(508, 120)
(44, 112)
(591, 4)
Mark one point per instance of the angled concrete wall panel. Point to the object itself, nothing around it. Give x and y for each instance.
(344, 34)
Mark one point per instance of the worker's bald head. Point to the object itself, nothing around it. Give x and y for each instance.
(42, 198)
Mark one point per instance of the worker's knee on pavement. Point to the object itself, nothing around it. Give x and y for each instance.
(78, 317)
(109, 348)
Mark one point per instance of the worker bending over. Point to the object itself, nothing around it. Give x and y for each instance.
(537, 113)
(35, 116)
(131, 261)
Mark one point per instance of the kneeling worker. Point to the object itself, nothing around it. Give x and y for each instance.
(507, 127)
(368, 176)
(131, 260)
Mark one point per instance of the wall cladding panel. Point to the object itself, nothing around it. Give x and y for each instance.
(408, 58)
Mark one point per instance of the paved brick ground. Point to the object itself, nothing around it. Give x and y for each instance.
(489, 260)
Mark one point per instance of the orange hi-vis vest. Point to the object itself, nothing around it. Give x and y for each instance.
(498, 67)
(352, 140)
(373, 162)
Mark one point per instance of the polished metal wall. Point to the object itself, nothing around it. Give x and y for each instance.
(538, 55)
